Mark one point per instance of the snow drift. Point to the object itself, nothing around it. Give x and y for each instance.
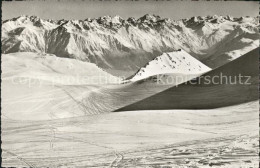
(49, 69)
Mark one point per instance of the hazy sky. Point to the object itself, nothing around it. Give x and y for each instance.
(125, 8)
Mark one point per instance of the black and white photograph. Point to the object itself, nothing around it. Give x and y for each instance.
(130, 84)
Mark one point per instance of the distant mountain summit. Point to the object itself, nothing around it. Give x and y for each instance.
(128, 44)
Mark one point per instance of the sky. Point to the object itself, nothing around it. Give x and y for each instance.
(82, 9)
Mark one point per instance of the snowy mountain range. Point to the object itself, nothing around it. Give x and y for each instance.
(114, 43)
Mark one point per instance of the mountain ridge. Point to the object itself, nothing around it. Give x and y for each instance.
(107, 40)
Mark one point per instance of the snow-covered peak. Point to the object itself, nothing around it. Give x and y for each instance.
(228, 17)
(109, 19)
(194, 19)
(105, 18)
(177, 62)
(149, 17)
(25, 18)
(116, 20)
